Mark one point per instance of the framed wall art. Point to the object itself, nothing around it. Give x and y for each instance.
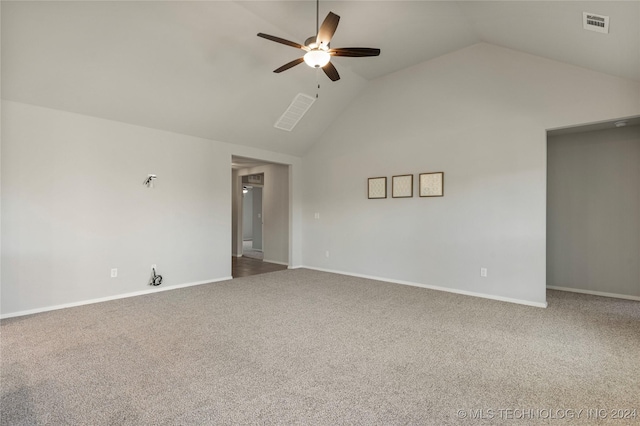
(402, 186)
(432, 184)
(377, 187)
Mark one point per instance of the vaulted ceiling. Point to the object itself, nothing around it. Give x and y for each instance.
(198, 68)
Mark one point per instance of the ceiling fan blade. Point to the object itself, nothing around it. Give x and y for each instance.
(290, 65)
(354, 52)
(331, 72)
(327, 29)
(282, 41)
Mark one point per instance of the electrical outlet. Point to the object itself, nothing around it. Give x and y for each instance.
(114, 273)
(154, 266)
(316, 216)
(326, 253)
(483, 272)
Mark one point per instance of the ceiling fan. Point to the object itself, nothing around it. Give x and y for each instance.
(319, 52)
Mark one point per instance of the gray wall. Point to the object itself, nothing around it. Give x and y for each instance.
(275, 208)
(256, 218)
(480, 115)
(236, 209)
(593, 211)
(247, 215)
(73, 207)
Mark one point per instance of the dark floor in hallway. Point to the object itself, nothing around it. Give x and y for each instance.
(245, 266)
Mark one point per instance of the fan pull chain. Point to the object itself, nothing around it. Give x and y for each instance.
(317, 82)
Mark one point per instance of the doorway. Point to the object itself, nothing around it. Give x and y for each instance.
(260, 216)
(252, 221)
(593, 209)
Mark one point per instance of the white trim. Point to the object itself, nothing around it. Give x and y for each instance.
(108, 298)
(595, 293)
(295, 267)
(276, 262)
(433, 287)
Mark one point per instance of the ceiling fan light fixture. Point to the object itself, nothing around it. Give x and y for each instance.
(317, 58)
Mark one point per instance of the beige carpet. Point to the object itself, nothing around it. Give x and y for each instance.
(306, 347)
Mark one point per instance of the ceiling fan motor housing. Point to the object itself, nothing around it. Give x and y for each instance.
(312, 41)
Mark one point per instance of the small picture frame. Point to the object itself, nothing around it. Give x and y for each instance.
(402, 186)
(432, 184)
(377, 187)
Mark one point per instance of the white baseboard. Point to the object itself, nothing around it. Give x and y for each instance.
(276, 262)
(108, 298)
(295, 267)
(433, 287)
(595, 293)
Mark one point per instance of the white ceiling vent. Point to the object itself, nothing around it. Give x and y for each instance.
(593, 22)
(298, 108)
